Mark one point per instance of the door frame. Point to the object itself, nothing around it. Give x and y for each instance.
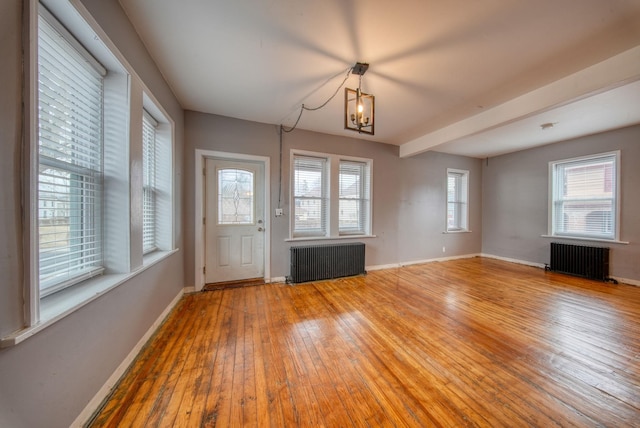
(200, 207)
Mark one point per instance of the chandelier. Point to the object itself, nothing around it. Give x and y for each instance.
(358, 106)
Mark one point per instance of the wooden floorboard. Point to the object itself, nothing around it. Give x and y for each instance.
(472, 342)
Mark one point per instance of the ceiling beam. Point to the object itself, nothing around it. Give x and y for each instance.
(610, 73)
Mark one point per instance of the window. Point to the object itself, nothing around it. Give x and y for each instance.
(584, 197)
(70, 147)
(149, 190)
(103, 189)
(331, 195)
(310, 196)
(353, 183)
(457, 200)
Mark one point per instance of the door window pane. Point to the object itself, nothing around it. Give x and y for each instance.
(235, 196)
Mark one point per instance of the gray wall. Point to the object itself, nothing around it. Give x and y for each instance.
(515, 200)
(408, 194)
(47, 380)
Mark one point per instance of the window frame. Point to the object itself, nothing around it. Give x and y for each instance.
(85, 190)
(149, 186)
(128, 95)
(554, 200)
(461, 201)
(363, 183)
(331, 180)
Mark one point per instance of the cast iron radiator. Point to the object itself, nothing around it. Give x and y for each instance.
(315, 262)
(580, 260)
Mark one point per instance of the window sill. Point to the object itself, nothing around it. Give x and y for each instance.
(576, 238)
(446, 232)
(57, 306)
(328, 238)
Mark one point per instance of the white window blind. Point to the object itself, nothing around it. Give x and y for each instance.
(70, 100)
(310, 195)
(457, 200)
(149, 189)
(585, 197)
(353, 183)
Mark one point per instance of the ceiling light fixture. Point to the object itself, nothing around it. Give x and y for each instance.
(359, 107)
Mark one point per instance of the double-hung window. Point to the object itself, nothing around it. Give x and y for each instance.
(353, 183)
(85, 197)
(457, 200)
(584, 197)
(70, 158)
(149, 189)
(310, 195)
(331, 195)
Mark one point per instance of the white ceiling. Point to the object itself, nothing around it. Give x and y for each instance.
(475, 78)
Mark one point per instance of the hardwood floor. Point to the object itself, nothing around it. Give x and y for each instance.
(473, 342)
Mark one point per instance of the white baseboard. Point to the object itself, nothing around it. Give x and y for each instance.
(507, 259)
(278, 279)
(541, 265)
(381, 267)
(417, 262)
(97, 399)
(627, 281)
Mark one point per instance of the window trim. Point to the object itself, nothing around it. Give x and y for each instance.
(39, 311)
(59, 37)
(551, 199)
(464, 174)
(333, 199)
(149, 183)
(363, 201)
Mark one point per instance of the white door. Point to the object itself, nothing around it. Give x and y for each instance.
(234, 223)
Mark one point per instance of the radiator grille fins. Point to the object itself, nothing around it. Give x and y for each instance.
(316, 262)
(580, 260)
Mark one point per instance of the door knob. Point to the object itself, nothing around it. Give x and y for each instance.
(260, 229)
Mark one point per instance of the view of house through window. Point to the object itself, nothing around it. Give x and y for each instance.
(321, 210)
(584, 196)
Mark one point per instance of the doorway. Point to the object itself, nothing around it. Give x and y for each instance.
(232, 221)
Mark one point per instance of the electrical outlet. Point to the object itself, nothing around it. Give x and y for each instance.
(444, 250)
(279, 212)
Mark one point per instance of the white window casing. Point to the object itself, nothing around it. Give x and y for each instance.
(70, 150)
(584, 200)
(310, 196)
(84, 198)
(149, 189)
(457, 219)
(354, 182)
(331, 196)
